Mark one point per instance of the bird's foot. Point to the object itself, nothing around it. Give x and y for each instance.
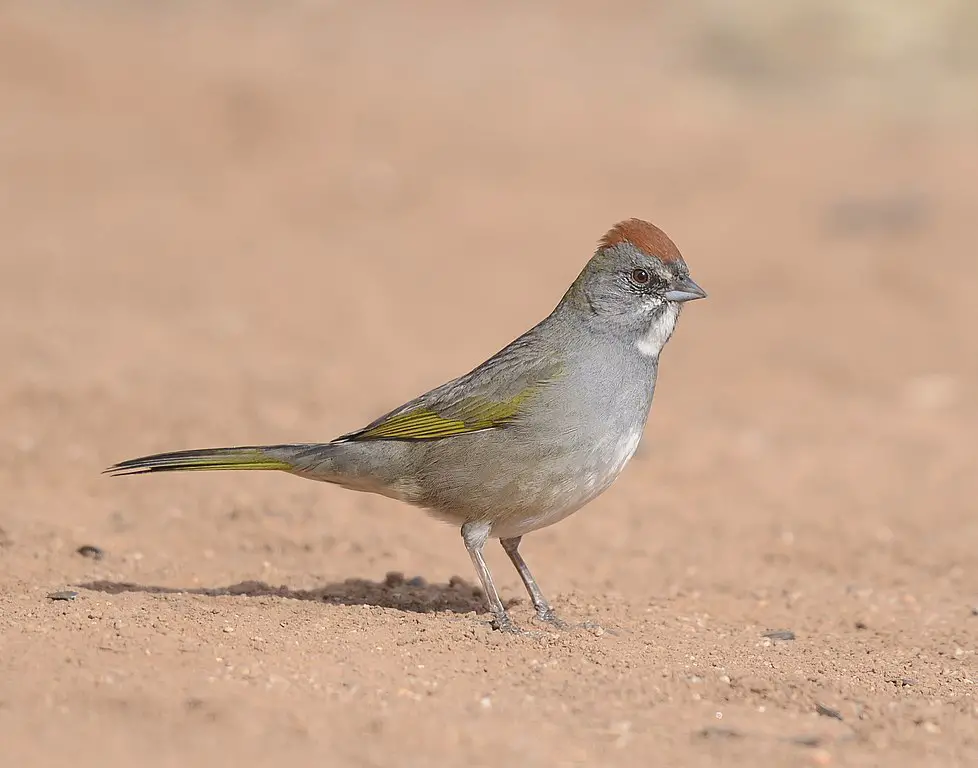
(502, 623)
(549, 615)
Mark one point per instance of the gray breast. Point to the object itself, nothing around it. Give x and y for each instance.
(569, 450)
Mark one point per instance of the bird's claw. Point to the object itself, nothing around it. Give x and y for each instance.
(502, 623)
(547, 614)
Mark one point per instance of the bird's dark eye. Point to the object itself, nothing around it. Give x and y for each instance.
(640, 276)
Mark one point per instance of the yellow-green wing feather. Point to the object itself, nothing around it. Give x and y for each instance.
(493, 396)
(469, 415)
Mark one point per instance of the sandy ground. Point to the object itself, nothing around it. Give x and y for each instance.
(226, 225)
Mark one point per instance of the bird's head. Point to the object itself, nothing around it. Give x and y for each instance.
(635, 285)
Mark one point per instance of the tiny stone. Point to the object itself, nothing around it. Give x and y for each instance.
(417, 581)
(63, 595)
(393, 579)
(754, 684)
(821, 757)
(828, 711)
(88, 550)
(931, 392)
(807, 741)
(714, 732)
(780, 634)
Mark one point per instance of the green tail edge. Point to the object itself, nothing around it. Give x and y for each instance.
(251, 457)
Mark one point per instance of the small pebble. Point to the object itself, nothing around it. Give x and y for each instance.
(828, 711)
(89, 550)
(713, 732)
(806, 741)
(417, 581)
(394, 579)
(780, 634)
(931, 392)
(63, 595)
(821, 757)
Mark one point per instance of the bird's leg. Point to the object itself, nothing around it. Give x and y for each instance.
(474, 535)
(544, 611)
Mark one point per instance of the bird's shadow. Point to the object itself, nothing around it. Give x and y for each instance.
(414, 595)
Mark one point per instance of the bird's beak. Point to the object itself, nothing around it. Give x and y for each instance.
(684, 290)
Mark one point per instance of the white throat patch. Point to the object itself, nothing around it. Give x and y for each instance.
(659, 331)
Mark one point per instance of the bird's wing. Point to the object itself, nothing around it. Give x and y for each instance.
(493, 396)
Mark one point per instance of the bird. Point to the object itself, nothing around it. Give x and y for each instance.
(527, 438)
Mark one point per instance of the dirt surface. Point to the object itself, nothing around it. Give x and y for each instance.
(230, 224)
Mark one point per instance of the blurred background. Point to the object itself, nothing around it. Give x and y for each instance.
(250, 222)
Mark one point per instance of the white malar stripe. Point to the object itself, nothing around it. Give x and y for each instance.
(660, 330)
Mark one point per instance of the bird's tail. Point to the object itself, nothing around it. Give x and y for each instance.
(272, 457)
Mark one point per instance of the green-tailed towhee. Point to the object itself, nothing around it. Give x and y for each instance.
(527, 438)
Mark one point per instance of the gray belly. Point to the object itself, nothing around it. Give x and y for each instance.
(520, 485)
